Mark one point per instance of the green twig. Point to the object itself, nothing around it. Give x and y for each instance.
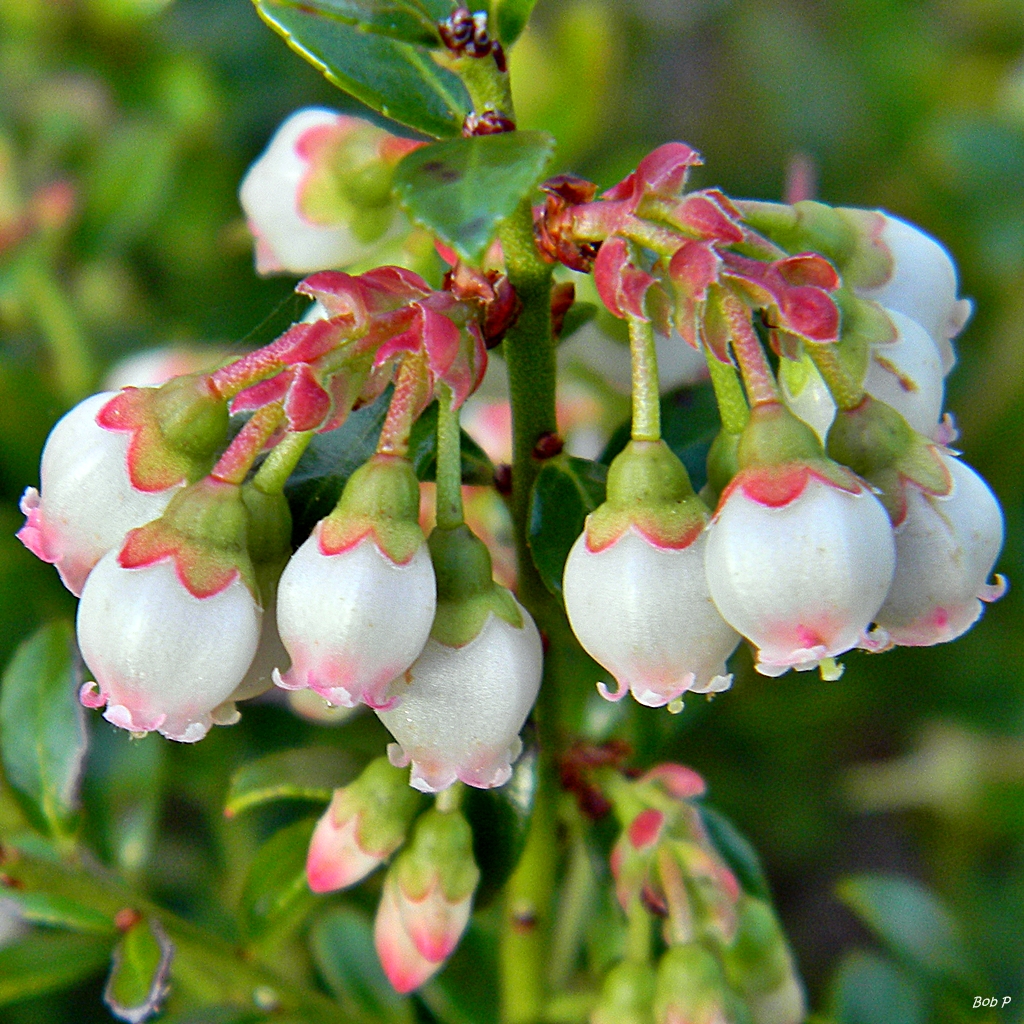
(449, 461)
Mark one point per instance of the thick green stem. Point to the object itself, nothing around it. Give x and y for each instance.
(488, 88)
(732, 403)
(646, 398)
(449, 461)
(845, 391)
(271, 477)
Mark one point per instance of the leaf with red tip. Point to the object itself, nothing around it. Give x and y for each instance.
(138, 981)
(702, 215)
(307, 403)
(662, 172)
(678, 780)
(645, 829)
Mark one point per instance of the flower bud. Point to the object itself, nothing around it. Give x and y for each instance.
(431, 886)
(800, 554)
(320, 195)
(356, 602)
(364, 824)
(88, 503)
(461, 704)
(169, 624)
(946, 546)
(635, 586)
(627, 995)
(691, 988)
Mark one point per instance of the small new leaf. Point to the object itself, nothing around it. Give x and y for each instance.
(138, 978)
(508, 18)
(461, 190)
(310, 773)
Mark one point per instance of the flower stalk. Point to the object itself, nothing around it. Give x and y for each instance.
(646, 399)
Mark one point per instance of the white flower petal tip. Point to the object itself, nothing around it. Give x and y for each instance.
(717, 684)
(995, 590)
(875, 641)
(946, 433)
(651, 698)
(620, 691)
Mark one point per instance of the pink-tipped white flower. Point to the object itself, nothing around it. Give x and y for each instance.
(163, 659)
(644, 612)
(799, 562)
(922, 285)
(353, 619)
(88, 503)
(946, 547)
(460, 709)
(296, 199)
(406, 967)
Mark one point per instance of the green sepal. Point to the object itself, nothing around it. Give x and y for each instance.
(757, 960)
(773, 436)
(627, 995)
(385, 804)
(691, 982)
(648, 488)
(877, 443)
(441, 852)
(205, 530)
(380, 499)
(863, 323)
(466, 592)
(723, 463)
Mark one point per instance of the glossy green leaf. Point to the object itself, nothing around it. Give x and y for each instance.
(500, 819)
(59, 912)
(138, 981)
(342, 946)
(910, 921)
(408, 20)
(477, 468)
(461, 190)
(316, 484)
(689, 423)
(397, 79)
(508, 18)
(565, 492)
(868, 989)
(275, 896)
(463, 993)
(49, 962)
(42, 727)
(309, 773)
(737, 851)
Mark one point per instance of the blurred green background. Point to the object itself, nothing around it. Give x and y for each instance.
(125, 128)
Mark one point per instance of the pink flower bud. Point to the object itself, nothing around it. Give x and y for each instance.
(296, 198)
(644, 612)
(354, 619)
(461, 708)
(799, 564)
(406, 967)
(163, 659)
(922, 285)
(88, 503)
(946, 547)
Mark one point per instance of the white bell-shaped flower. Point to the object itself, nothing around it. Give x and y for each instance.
(922, 285)
(798, 564)
(88, 503)
(460, 709)
(353, 620)
(163, 659)
(644, 612)
(945, 550)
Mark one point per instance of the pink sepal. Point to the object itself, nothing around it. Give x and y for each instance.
(407, 969)
(620, 283)
(678, 780)
(662, 172)
(645, 829)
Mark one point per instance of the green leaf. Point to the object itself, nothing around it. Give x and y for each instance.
(49, 962)
(868, 989)
(138, 979)
(397, 79)
(508, 18)
(316, 484)
(477, 468)
(910, 922)
(500, 819)
(342, 946)
(42, 727)
(689, 423)
(309, 773)
(275, 896)
(59, 912)
(461, 190)
(565, 492)
(407, 20)
(737, 851)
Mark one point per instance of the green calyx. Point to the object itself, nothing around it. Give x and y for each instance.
(757, 961)
(385, 803)
(648, 488)
(441, 852)
(466, 592)
(690, 983)
(864, 323)
(381, 498)
(191, 418)
(723, 463)
(269, 537)
(627, 995)
(877, 443)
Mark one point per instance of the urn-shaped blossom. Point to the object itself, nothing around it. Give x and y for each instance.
(461, 704)
(169, 624)
(364, 824)
(635, 584)
(356, 602)
(319, 197)
(87, 502)
(427, 899)
(691, 988)
(800, 554)
(627, 995)
(946, 546)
